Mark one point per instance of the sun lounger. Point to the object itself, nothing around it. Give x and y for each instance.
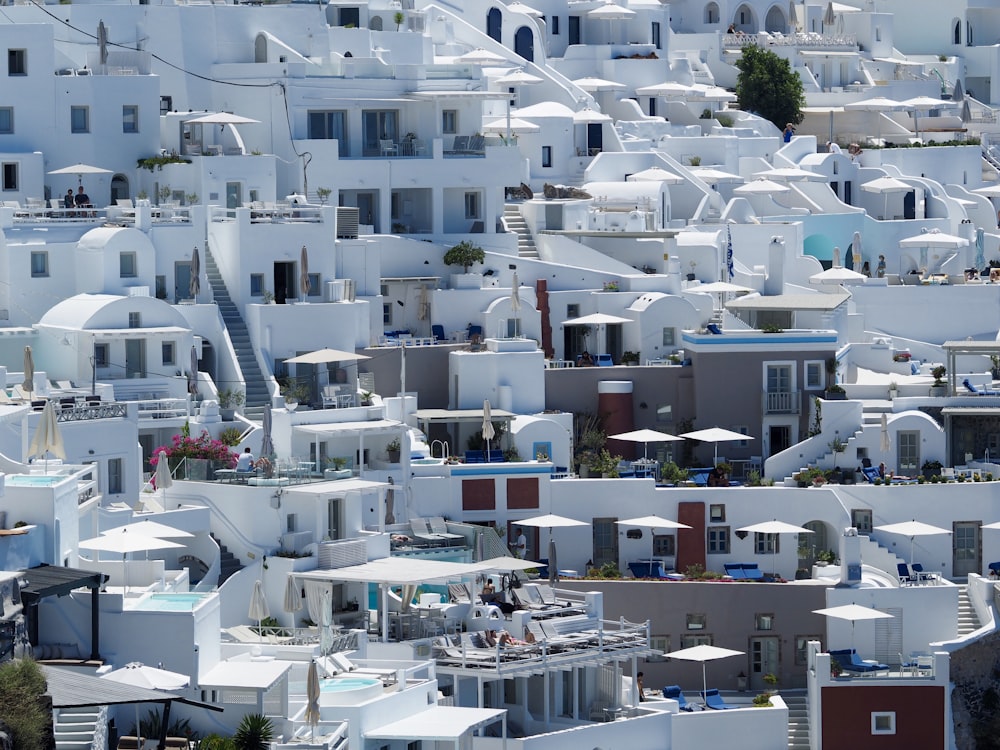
(714, 701)
(438, 526)
(850, 662)
(673, 692)
(978, 391)
(420, 532)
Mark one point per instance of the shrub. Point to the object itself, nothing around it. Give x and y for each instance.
(22, 705)
(230, 436)
(203, 446)
(464, 254)
(254, 733)
(671, 472)
(764, 699)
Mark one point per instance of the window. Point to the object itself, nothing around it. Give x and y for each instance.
(883, 722)
(691, 640)
(135, 320)
(555, 25)
(161, 286)
(743, 430)
(546, 156)
(659, 643)
(17, 62)
(908, 452)
(329, 125)
(101, 354)
(39, 264)
(718, 540)
(387, 314)
(472, 205)
(10, 175)
(669, 336)
(314, 288)
(696, 621)
(166, 105)
(449, 121)
(291, 523)
(861, 519)
(765, 544)
(763, 621)
(126, 265)
(130, 118)
(168, 349)
(6, 120)
(717, 513)
(256, 284)
(665, 413)
(572, 311)
(814, 376)
(114, 476)
(802, 648)
(79, 119)
(663, 545)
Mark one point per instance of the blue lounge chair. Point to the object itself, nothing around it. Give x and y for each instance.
(850, 662)
(714, 329)
(871, 473)
(905, 576)
(994, 568)
(714, 701)
(603, 360)
(735, 571)
(979, 392)
(475, 457)
(752, 573)
(674, 693)
(437, 330)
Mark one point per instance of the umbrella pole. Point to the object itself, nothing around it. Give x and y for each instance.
(704, 680)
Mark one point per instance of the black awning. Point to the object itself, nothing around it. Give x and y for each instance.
(51, 580)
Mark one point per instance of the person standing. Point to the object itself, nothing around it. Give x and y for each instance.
(68, 200)
(521, 545)
(789, 132)
(642, 690)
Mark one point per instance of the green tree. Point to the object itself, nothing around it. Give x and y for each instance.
(255, 732)
(464, 254)
(23, 706)
(767, 85)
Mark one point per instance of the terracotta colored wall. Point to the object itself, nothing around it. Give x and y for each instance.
(616, 408)
(522, 493)
(479, 494)
(920, 715)
(690, 542)
(542, 305)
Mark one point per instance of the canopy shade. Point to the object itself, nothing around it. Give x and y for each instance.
(480, 56)
(124, 542)
(774, 527)
(667, 89)
(716, 435)
(912, 529)
(516, 125)
(718, 287)
(712, 175)
(703, 653)
(934, 238)
(549, 521)
(655, 174)
(438, 723)
(588, 115)
(80, 169)
(761, 186)
(885, 185)
(653, 522)
(222, 118)
(322, 356)
(150, 678)
(790, 174)
(838, 275)
(508, 564)
(645, 436)
(597, 84)
(596, 319)
(876, 104)
(610, 12)
(518, 77)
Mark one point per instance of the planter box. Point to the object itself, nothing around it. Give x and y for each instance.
(834, 396)
(337, 474)
(466, 280)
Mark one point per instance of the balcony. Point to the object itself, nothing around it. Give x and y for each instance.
(782, 402)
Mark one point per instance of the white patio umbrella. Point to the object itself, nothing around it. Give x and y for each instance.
(611, 13)
(652, 522)
(488, 431)
(655, 174)
(645, 437)
(597, 320)
(878, 105)
(886, 186)
(151, 528)
(912, 529)
(480, 56)
(80, 170)
(551, 521)
(514, 125)
(935, 238)
(854, 613)
(323, 356)
(507, 564)
(312, 699)
(716, 435)
(714, 176)
(703, 653)
(703, 93)
(595, 85)
(162, 475)
(884, 438)
(226, 118)
(990, 191)
(920, 104)
(667, 89)
(838, 276)
(139, 675)
(774, 527)
(761, 186)
(518, 7)
(48, 439)
(124, 543)
(790, 174)
(518, 78)
(588, 116)
(305, 285)
(194, 285)
(258, 607)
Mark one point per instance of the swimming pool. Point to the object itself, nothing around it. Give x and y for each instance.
(348, 691)
(184, 602)
(426, 461)
(34, 480)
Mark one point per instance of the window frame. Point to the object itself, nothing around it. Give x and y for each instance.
(257, 285)
(766, 544)
(315, 284)
(802, 648)
(819, 383)
(79, 109)
(168, 352)
(17, 62)
(717, 513)
(547, 157)
(879, 715)
(11, 185)
(473, 205)
(44, 272)
(689, 640)
(102, 354)
(658, 643)
(763, 622)
(664, 545)
(719, 545)
(130, 118)
(695, 621)
(449, 121)
(669, 336)
(134, 319)
(9, 129)
(124, 259)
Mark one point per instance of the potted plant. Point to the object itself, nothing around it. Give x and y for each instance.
(392, 449)
(605, 464)
(366, 398)
(630, 358)
(465, 254)
(939, 387)
(268, 297)
(295, 392)
(893, 390)
(398, 18)
(229, 400)
(323, 194)
(835, 392)
(931, 469)
(837, 446)
(337, 468)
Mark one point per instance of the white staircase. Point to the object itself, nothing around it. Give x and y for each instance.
(515, 223)
(968, 620)
(798, 719)
(877, 556)
(75, 728)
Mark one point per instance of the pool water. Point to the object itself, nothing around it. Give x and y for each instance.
(33, 480)
(172, 602)
(348, 691)
(344, 684)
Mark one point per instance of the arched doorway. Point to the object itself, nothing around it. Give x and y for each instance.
(494, 24)
(775, 20)
(119, 188)
(375, 23)
(524, 43)
(746, 20)
(712, 14)
(812, 545)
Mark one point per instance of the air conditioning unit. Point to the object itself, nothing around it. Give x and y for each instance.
(138, 291)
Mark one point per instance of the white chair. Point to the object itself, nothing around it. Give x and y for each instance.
(388, 148)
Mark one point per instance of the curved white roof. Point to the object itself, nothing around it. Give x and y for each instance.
(108, 311)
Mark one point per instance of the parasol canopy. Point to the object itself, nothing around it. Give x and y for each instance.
(703, 653)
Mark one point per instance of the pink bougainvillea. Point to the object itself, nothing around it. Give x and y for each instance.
(203, 446)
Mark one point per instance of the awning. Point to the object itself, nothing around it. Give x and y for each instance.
(336, 487)
(349, 429)
(596, 319)
(54, 580)
(443, 723)
(817, 302)
(254, 675)
(71, 688)
(396, 571)
(460, 415)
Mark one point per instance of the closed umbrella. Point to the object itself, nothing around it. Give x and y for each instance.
(423, 304)
(856, 252)
(192, 384)
(293, 599)
(29, 371)
(703, 653)
(488, 432)
(48, 438)
(163, 477)
(305, 286)
(884, 439)
(258, 607)
(312, 699)
(775, 527)
(195, 285)
(266, 444)
(326, 623)
(912, 529)
(853, 613)
(980, 247)
(515, 296)
(102, 42)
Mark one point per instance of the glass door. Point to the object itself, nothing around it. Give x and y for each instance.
(965, 552)
(378, 125)
(135, 358)
(763, 660)
(605, 541)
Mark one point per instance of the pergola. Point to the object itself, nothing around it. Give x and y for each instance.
(44, 581)
(427, 417)
(953, 348)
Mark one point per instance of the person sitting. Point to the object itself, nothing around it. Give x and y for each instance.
(68, 200)
(502, 639)
(244, 463)
(82, 200)
(731, 29)
(488, 594)
(866, 269)
(717, 477)
(585, 360)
